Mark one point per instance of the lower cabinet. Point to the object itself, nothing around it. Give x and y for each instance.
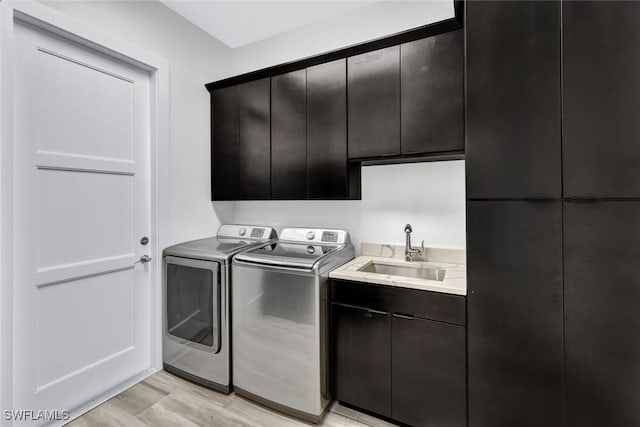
(391, 363)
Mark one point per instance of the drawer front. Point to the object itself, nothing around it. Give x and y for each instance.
(411, 302)
(428, 305)
(359, 294)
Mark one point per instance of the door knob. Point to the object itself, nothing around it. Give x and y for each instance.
(144, 259)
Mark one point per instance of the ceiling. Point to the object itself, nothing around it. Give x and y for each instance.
(237, 22)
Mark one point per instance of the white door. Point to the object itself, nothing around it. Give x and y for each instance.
(82, 205)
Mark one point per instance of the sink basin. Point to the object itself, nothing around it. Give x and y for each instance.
(417, 272)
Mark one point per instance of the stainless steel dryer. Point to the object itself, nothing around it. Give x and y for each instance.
(279, 327)
(196, 343)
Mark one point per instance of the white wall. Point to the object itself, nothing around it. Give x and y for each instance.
(430, 196)
(194, 58)
(363, 24)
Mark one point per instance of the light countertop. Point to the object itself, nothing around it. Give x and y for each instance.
(455, 278)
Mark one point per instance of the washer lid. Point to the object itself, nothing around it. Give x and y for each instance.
(288, 254)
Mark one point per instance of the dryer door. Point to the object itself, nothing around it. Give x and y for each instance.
(192, 298)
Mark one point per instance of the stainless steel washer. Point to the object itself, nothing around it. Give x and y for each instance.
(279, 327)
(196, 343)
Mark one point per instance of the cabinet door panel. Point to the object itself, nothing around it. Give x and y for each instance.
(253, 174)
(289, 135)
(327, 172)
(373, 81)
(432, 94)
(515, 314)
(224, 143)
(513, 145)
(362, 358)
(602, 325)
(601, 99)
(428, 373)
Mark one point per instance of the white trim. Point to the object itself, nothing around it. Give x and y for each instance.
(46, 18)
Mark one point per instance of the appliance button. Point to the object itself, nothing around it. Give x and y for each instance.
(242, 231)
(311, 235)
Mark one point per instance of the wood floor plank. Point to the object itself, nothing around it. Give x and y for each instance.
(138, 398)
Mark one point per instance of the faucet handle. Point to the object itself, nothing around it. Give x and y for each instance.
(407, 228)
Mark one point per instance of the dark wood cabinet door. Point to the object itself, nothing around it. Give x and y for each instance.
(362, 357)
(515, 313)
(602, 321)
(432, 94)
(253, 158)
(327, 171)
(513, 145)
(289, 135)
(224, 143)
(373, 81)
(601, 99)
(428, 373)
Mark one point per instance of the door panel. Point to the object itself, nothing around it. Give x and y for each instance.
(373, 81)
(601, 99)
(327, 176)
(515, 314)
(225, 150)
(362, 358)
(78, 209)
(253, 174)
(82, 131)
(428, 373)
(513, 99)
(602, 326)
(289, 135)
(432, 94)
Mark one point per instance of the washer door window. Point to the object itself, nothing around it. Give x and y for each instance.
(193, 301)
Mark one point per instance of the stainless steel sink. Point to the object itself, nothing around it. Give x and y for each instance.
(418, 272)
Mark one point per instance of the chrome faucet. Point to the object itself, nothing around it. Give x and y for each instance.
(409, 252)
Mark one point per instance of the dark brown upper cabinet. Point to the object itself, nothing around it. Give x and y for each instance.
(289, 135)
(513, 147)
(327, 169)
(241, 142)
(432, 94)
(373, 82)
(602, 326)
(515, 313)
(601, 102)
(225, 154)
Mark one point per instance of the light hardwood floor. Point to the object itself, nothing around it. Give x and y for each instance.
(166, 400)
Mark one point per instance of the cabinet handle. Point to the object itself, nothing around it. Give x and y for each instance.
(403, 316)
(378, 312)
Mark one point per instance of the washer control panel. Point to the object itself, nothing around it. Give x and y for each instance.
(246, 232)
(314, 235)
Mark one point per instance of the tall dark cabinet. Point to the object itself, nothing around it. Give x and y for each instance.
(513, 99)
(601, 99)
(514, 214)
(289, 135)
(601, 160)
